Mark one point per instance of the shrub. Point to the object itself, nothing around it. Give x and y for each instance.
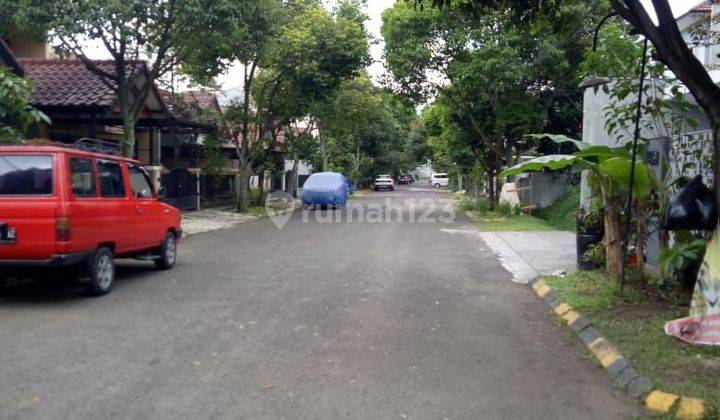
(256, 199)
(465, 203)
(505, 208)
(517, 209)
(679, 265)
(595, 254)
(482, 205)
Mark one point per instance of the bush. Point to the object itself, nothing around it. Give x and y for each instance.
(465, 203)
(256, 199)
(482, 205)
(505, 208)
(680, 264)
(561, 213)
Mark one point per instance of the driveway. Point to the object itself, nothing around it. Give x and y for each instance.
(318, 320)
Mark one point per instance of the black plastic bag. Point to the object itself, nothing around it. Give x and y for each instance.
(693, 208)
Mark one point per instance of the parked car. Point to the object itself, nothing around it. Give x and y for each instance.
(384, 182)
(404, 179)
(325, 189)
(439, 180)
(64, 207)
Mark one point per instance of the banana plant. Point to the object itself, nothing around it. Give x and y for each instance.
(610, 168)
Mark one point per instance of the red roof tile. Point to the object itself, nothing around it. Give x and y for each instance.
(68, 83)
(705, 6)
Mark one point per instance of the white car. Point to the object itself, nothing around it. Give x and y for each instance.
(439, 180)
(384, 182)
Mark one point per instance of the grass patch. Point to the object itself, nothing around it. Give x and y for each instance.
(495, 222)
(561, 214)
(257, 211)
(634, 323)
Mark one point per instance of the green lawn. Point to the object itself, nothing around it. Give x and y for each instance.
(634, 324)
(257, 211)
(495, 222)
(561, 214)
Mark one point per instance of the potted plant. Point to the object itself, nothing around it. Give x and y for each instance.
(589, 233)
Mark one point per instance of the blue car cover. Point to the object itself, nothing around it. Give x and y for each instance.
(325, 188)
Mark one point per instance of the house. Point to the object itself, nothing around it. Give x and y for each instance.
(675, 147)
(7, 59)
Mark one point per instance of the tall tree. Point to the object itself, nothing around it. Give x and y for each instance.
(493, 77)
(298, 47)
(144, 38)
(659, 26)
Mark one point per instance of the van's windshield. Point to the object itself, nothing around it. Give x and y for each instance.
(26, 174)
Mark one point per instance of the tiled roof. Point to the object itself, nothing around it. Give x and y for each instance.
(705, 6)
(204, 99)
(68, 83)
(7, 58)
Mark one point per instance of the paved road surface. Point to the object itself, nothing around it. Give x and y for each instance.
(314, 321)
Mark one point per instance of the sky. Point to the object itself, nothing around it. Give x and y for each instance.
(232, 79)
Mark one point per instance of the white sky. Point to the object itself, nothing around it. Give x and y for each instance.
(233, 78)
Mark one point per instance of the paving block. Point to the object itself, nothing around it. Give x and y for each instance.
(626, 376)
(561, 309)
(660, 402)
(639, 386)
(541, 288)
(588, 335)
(618, 366)
(570, 316)
(551, 299)
(580, 324)
(690, 409)
(604, 352)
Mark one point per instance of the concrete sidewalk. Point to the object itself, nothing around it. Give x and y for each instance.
(211, 219)
(530, 254)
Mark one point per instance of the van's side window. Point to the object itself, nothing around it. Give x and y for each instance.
(111, 179)
(140, 183)
(83, 177)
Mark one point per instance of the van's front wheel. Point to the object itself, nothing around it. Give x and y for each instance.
(101, 272)
(168, 252)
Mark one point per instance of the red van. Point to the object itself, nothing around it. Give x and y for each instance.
(66, 207)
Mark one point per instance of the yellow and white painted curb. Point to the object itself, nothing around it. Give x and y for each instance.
(619, 368)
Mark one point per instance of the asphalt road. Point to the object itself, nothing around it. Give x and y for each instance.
(372, 320)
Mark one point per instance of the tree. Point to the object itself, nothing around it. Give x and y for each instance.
(493, 78)
(297, 47)
(670, 47)
(610, 168)
(144, 38)
(368, 129)
(16, 113)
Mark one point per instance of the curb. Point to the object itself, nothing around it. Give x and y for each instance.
(619, 368)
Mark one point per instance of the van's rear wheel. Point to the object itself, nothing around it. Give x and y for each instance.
(168, 253)
(101, 272)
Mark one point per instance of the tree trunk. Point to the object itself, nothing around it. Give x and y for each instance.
(291, 186)
(716, 158)
(641, 237)
(613, 240)
(128, 144)
(241, 182)
(261, 187)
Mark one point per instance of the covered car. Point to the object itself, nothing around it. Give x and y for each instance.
(325, 189)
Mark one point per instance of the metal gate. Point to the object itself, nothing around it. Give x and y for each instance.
(180, 189)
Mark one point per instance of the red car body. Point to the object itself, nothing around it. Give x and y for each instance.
(59, 205)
